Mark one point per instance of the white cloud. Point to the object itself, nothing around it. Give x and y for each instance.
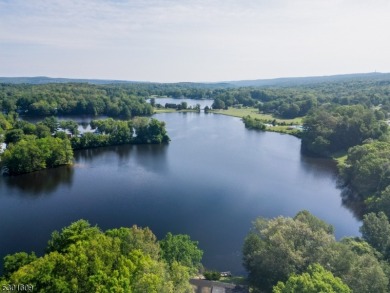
(193, 39)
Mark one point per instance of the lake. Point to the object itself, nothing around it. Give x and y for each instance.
(190, 102)
(212, 180)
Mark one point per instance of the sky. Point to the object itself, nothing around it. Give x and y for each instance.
(193, 40)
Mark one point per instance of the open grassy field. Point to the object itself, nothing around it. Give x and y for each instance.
(253, 112)
(238, 280)
(163, 110)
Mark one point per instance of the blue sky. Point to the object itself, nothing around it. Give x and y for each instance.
(193, 40)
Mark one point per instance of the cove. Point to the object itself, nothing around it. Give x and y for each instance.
(212, 180)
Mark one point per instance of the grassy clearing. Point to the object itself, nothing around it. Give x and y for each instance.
(253, 112)
(284, 129)
(265, 118)
(163, 110)
(237, 280)
(340, 158)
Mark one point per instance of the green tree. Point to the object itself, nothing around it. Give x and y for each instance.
(253, 123)
(276, 248)
(150, 131)
(376, 231)
(17, 260)
(23, 157)
(136, 238)
(356, 263)
(70, 125)
(51, 122)
(212, 275)
(77, 231)
(182, 249)
(380, 203)
(315, 279)
(331, 129)
(82, 258)
(42, 130)
(218, 104)
(13, 136)
(366, 171)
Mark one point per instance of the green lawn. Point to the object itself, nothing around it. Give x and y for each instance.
(237, 280)
(163, 110)
(340, 158)
(253, 112)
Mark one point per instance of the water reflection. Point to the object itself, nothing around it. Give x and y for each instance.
(40, 183)
(151, 157)
(322, 167)
(352, 202)
(89, 155)
(319, 167)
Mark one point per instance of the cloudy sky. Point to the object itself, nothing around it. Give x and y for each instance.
(193, 40)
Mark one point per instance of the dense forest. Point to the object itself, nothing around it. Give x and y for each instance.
(344, 118)
(83, 258)
(128, 99)
(301, 254)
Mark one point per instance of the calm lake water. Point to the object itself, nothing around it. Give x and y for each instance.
(211, 182)
(190, 102)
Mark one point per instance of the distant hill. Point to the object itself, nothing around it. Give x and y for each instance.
(295, 81)
(45, 80)
(284, 82)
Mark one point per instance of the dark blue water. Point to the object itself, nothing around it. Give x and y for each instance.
(211, 182)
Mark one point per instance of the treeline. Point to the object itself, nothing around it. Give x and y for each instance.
(332, 128)
(291, 102)
(73, 99)
(129, 100)
(300, 254)
(50, 143)
(83, 258)
(366, 175)
(114, 100)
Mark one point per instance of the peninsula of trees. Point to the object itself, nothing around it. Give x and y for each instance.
(50, 143)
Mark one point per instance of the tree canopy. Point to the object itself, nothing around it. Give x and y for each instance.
(279, 248)
(29, 154)
(332, 129)
(180, 248)
(315, 279)
(82, 258)
(376, 231)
